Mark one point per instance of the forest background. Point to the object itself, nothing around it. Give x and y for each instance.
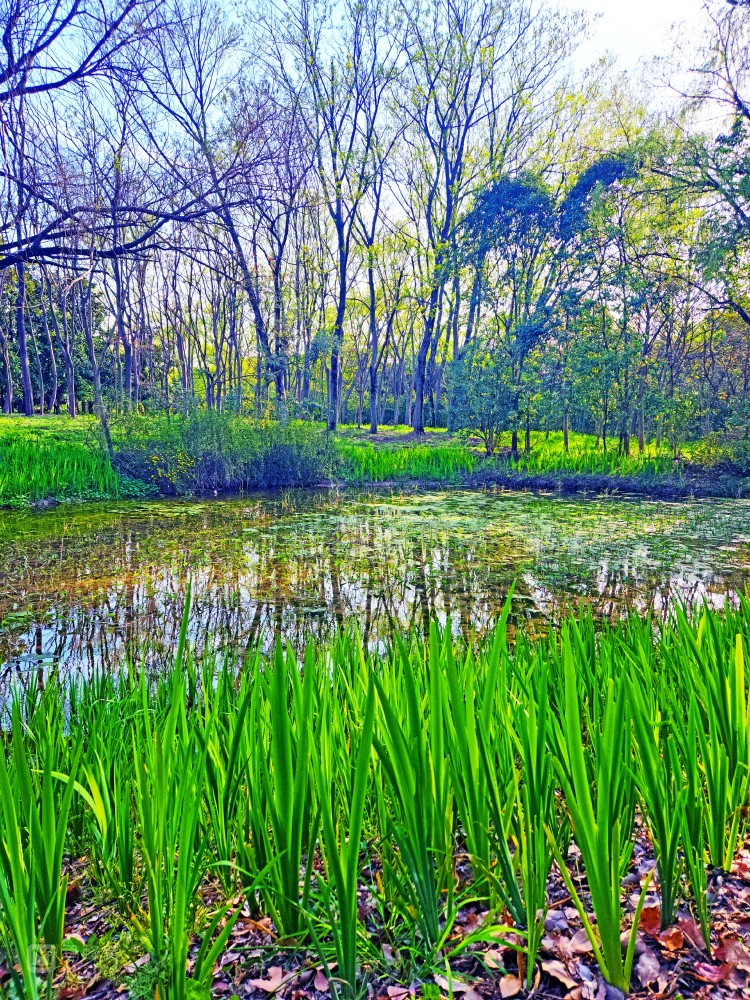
(382, 212)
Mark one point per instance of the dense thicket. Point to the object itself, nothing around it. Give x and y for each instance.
(383, 210)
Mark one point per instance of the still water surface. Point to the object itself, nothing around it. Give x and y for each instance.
(79, 586)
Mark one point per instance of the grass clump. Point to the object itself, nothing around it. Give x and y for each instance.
(586, 456)
(366, 463)
(43, 460)
(335, 796)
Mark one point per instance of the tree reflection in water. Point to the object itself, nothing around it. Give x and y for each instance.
(81, 586)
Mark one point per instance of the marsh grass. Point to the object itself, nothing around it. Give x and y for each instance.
(306, 785)
(367, 463)
(45, 459)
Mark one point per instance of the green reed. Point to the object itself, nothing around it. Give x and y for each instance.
(586, 456)
(365, 463)
(33, 468)
(309, 784)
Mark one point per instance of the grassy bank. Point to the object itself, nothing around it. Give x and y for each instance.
(438, 818)
(54, 458)
(57, 459)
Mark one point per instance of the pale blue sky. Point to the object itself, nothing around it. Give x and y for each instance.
(636, 28)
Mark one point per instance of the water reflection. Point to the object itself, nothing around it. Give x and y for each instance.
(79, 586)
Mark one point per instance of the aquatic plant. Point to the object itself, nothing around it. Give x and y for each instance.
(45, 461)
(366, 463)
(347, 774)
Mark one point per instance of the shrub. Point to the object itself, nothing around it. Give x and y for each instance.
(213, 452)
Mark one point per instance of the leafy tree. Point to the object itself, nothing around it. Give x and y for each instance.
(481, 394)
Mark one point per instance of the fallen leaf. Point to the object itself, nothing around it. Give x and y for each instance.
(557, 970)
(555, 921)
(558, 944)
(493, 959)
(734, 952)
(692, 932)
(648, 967)
(320, 982)
(650, 918)
(448, 985)
(711, 973)
(672, 938)
(580, 944)
(510, 986)
(397, 992)
(139, 963)
(276, 979)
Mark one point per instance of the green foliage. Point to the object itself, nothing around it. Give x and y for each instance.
(364, 463)
(216, 452)
(480, 394)
(310, 782)
(51, 460)
(585, 456)
(599, 796)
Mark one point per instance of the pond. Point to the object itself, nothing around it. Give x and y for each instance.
(80, 586)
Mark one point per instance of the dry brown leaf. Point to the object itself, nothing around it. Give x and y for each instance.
(397, 992)
(651, 918)
(692, 932)
(580, 944)
(510, 986)
(493, 959)
(448, 985)
(557, 970)
(734, 952)
(320, 982)
(276, 979)
(711, 973)
(672, 938)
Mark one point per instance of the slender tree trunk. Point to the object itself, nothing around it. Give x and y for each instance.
(53, 403)
(8, 395)
(527, 438)
(66, 348)
(39, 372)
(99, 408)
(420, 369)
(23, 346)
(373, 344)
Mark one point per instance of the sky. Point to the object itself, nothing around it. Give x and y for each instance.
(636, 28)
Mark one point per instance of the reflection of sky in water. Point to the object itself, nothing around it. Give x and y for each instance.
(79, 585)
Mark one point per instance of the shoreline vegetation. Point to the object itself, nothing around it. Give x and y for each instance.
(45, 461)
(245, 829)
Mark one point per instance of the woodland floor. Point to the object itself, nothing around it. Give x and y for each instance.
(670, 963)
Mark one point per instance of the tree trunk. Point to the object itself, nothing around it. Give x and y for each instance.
(96, 373)
(53, 404)
(23, 347)
(66, 348)
(373, 347)
(527, 438)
